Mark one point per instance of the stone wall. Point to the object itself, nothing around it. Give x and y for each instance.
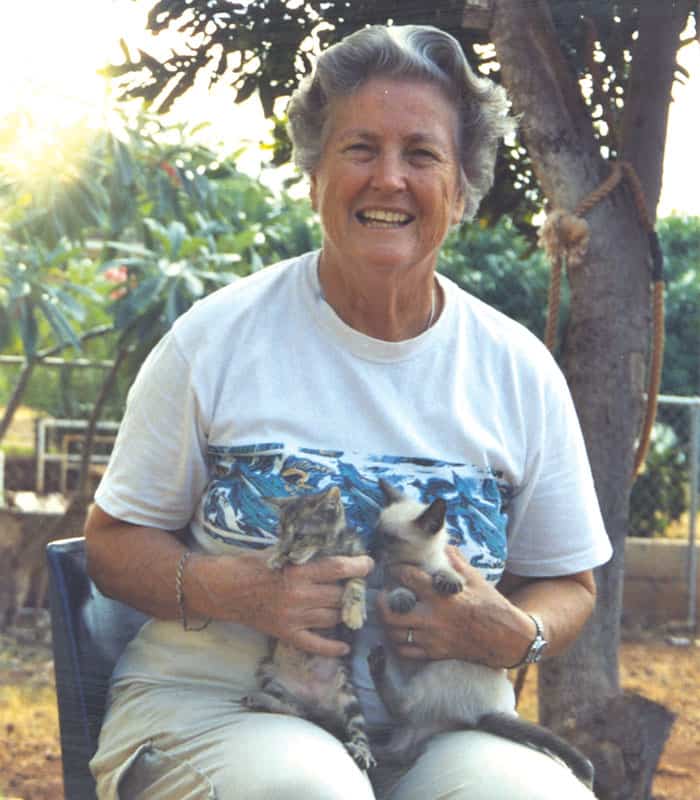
(656, 583)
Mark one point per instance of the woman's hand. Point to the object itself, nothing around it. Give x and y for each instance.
(138, 565)
(477, 624)
(289, 603)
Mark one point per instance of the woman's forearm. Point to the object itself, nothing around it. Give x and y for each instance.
(134, 564)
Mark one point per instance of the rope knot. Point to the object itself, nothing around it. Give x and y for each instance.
(564, 235)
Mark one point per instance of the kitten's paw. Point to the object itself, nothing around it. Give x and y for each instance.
(361, 754)
(354, 610)
(377, 661)
(447, 582)
(354, 616)
(402, 600)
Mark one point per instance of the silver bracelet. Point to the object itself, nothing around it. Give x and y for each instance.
(180, 594)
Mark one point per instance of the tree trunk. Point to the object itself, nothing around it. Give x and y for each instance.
(604, 360)
(16, 398)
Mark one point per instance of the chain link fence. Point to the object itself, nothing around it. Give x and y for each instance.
(664, 498)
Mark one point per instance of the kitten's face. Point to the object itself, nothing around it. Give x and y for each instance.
(310, 523)
(410, 532)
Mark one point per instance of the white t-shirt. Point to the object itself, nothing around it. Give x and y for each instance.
(261, 389)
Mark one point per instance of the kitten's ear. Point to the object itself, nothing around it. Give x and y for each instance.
(432, 519)
(391, 493)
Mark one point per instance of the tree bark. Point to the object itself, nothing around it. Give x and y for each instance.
(604, 360)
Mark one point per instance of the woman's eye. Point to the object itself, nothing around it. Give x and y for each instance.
(423, 155)
(359, 147)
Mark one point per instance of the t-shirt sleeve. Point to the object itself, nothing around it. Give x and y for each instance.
(555, 523)
(157, 471)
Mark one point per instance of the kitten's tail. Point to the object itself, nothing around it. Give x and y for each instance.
(539, 738)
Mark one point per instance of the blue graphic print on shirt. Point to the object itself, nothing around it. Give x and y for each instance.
(234, 509)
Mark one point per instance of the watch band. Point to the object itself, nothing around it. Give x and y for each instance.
(536, 649)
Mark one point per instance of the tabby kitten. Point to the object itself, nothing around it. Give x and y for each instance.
(291, 681)
(430, 697)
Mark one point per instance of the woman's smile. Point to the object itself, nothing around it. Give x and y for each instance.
(384, 218)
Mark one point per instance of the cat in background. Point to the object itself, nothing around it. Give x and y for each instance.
(291, 681)
(429, 697)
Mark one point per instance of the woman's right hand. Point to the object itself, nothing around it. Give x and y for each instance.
(289, 603)
(138, 565)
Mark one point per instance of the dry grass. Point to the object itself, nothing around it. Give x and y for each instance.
(30, 765)
(30, 756)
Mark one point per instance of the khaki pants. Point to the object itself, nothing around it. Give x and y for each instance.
(176, 730)
(238, 755)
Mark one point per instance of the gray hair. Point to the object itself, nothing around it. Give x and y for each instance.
(405, 52)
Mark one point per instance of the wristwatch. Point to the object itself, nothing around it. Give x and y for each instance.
(537, 646)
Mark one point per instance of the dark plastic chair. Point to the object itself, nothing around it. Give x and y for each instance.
(89, 633)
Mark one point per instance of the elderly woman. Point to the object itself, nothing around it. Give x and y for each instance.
(343, 367)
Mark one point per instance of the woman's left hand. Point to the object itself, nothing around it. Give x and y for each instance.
(477, 624)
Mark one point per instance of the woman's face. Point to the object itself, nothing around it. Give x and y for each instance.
(387, 185)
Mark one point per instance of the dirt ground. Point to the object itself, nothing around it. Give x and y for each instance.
(657, 666)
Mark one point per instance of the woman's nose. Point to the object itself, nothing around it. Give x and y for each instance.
(389, 173)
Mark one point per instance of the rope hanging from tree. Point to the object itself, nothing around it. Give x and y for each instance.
(564, 237)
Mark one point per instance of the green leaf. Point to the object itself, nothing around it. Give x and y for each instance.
(127, 247)
(67, 303)
(60, 255)
(28, 328)
(195, 286)
(139, 300)
(193, 246)
(176, 236)
(59, 323)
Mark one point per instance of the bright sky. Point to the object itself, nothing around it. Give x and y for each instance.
(50, 51)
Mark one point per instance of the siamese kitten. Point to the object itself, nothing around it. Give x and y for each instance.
(291, 681)
(429, 697)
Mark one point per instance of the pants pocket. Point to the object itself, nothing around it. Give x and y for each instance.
(152, 774)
